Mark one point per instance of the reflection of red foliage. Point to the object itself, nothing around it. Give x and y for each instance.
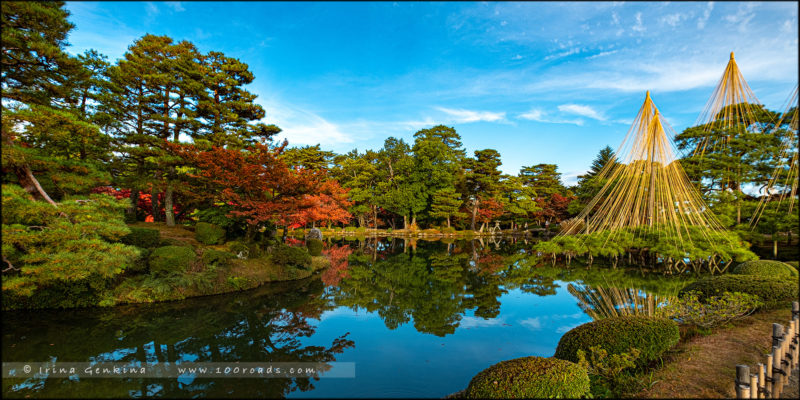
(489, 263)
(338, 257)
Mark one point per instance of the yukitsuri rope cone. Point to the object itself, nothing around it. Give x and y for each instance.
(786, 178)
(732, 103)
(647, 189)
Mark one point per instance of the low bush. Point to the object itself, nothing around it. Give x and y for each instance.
(774, 292)
(530, 377)
(239, 249)
(795, 264)
(169, 259)
(652, 336)
(714, 311)
(605, 371)
(350, 229)
(361, 230)
(207, 233)
(142, 237)
(389, 230)
(431, 231)
(765, 268)
(173, 242)
(314, 247)
(140, 265)
(216, 258)
(291, 256)
(449, 230)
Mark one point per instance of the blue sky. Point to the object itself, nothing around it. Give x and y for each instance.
(541, 82)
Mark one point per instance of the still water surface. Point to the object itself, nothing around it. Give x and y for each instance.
(417, 319)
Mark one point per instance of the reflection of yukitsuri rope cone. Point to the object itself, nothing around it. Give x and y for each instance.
(732, 103)
(646, 188)
(781, 176)
(599, 302)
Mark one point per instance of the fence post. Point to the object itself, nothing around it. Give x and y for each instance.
(761, 381)
(777, 372)
(753, 386)
(768, 382)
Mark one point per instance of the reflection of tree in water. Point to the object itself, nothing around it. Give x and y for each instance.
(262, 325)
(604, 302)
(434, 285)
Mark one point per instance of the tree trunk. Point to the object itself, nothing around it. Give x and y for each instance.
(775, 247)
(474, 213)
(134, 204)
(405, 221)
(448, 221)
(155, 209)
(169, 214)
(31, 184)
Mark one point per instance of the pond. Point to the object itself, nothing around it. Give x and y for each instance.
(415, 319)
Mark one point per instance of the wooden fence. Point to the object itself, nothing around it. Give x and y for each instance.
(768, 383)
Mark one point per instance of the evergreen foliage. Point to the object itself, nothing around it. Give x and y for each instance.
(773, 291)
(530, 377)
(650, 335)
(142, 237)
(291, 256)
(209, 233)
(765, 268)
(169, 260)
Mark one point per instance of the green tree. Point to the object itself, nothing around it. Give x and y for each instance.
(543, 178)
(481, 180)
(309, 157)
(437, 157)
(446, 204)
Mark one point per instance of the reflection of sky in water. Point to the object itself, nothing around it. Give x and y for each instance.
(404, 362)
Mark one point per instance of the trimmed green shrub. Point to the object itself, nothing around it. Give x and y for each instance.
(140, 265)
(142, 237)
(765, 268)
(449, 230)
(773, 291)
(168, 259)
(530, 377)
(350, 229)
(209, 233)
(216, 258)
(361, 230)
(291, 256)
(314, 246)
(714, 311)
(617, 335)
(795, 264)
(173, 242)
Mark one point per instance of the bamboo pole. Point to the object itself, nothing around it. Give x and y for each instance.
(742, 380)
(777, 381)
(768, 383)
(761, 382)
(753, 386)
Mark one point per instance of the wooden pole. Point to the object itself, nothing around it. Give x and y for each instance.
(768, 382)
(761, 382)
(753, 386)
(777, 333)
(777, 382)
(742, 379)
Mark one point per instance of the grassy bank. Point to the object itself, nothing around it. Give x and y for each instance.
(421, 233)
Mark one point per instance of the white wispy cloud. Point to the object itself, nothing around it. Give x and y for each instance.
(539, 115)
(466, 116)
(582, 110)
(701, 22)
(301, 127)
(175, 6)
(474, 322)
(574, 50)
(673, 19)
(534, 324)
(639, 26)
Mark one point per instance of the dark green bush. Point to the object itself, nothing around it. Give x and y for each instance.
(530, 377)
(216, 258)
(209, 233)
(793, 264)
(168, 259)
(361, 230)
(773, 291)
(140, 265)
(239, 249)
(765, 268)
(314, 246)
(296, 257)
(173, 242)
(652, 336)
(86, 292)
(448, 230)
(142, 237)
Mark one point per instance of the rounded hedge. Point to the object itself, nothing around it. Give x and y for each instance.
(209, 233)
(651, 335)
(168, 259)
(795, 264)
(773, 291)
(765, 268)
(216, 257)
(291, 256)
(142, 237)
(314, 246)
(530, 377)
